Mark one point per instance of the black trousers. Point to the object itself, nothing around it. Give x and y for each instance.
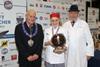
(30, 64)
(94, 62)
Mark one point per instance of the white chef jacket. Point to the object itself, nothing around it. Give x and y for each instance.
(50, 56)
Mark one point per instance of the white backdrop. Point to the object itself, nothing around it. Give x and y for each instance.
(44, 9)
(12, 9)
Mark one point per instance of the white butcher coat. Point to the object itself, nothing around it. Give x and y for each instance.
(80, 43)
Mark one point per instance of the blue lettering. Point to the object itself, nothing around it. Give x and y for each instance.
(5, 22)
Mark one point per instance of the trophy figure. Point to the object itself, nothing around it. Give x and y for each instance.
(19, 17)
(58, 42)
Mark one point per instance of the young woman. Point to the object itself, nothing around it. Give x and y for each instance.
(53, 59)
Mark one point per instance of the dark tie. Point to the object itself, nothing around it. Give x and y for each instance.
(72, 23)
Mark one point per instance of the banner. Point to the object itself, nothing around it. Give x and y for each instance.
(93, 17)
(11, 13)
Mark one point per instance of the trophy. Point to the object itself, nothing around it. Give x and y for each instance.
(19, 17)
(58, 42)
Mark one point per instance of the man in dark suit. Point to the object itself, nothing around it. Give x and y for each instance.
(29, 41)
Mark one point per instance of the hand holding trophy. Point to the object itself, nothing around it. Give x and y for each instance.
(58, 42)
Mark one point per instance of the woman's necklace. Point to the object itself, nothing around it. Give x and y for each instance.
(55, 31)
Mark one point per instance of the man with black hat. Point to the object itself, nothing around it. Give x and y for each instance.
(81, 46)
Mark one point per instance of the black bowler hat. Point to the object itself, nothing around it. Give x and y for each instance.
(73, 8)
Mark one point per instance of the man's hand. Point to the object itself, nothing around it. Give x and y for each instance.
(35, 56)
(88, 57)
(32, 57)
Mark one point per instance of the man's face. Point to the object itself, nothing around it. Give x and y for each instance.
(31, 17)
(73, 15)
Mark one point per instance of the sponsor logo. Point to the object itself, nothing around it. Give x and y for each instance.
(3, 58)
(63, 8)
(31, 5)
(82, 10)
(13, 57)
(47, 13)
(41, 18)
(4, 43)
(3, 20)
(40, 12)
(13, 49)
(45, 24)
(64, 13)
(7, 64)
(36, 5)
(36, 17)
(12, 42)
(8, 5)
(46, 18)
(19, 17)
(41, 5)
(54, 7)
(4, 51)
(47, 6)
